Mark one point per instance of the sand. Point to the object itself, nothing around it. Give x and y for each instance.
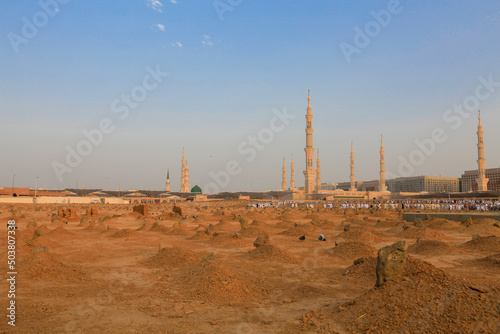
(141, 274)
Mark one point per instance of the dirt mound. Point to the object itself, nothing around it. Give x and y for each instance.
(302, 229)
(362, 271)
(60, 231)
(200, 235)
(146, 226)
(489, 244)
(224, 226)
(485, 221)
(482, 229)
(173, 257)
(390, 223)
(211, 281)
(284, 224)
(159, 228)
(179, 229)
(426, 300)
(352, 250)
(490, 261)
(45, 241)
(432, 247)
(46, 266)
(422, 232)
(357, 234)
(125, 233)
(271, 253)
(259, 224)
(443, 224)
(226, 240)
(251, 232)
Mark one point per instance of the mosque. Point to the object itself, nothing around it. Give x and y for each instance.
(312, 177)
(378, 189)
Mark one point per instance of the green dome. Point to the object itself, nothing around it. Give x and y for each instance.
(196, 189)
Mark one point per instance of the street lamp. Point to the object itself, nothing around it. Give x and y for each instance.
(36, 185)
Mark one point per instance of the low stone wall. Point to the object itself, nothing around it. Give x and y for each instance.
(459, 217)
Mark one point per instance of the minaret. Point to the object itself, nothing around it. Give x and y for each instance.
(283, 177)
(353, 177)
(167, 187)
(186, 177)
(482, 181)
(183, 171)
(318, 175)
(292, 176)
(381, 185)
(309, 173)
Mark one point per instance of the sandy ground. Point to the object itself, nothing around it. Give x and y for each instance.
(121, 272)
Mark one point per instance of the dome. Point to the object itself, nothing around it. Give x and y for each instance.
(196, 189)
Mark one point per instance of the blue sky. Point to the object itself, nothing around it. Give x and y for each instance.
(226, 75)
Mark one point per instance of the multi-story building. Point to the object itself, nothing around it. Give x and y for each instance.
(469, 179)
(430, 184)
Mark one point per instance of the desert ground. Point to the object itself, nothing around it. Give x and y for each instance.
(112, 270)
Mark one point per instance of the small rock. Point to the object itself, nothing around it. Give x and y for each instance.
(237, 236)
(347, 227)
(302, 237)
(40, 249)
(261, 240)
(406, 226)
(321, 237)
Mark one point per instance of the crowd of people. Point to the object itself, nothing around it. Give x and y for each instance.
(481, 205)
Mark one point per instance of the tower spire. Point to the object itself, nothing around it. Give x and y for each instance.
(283, 176)
(309, 173)
(482, 181)
(353, 177)
(382, 186)
(318, 174)
(167, 184)
(292, 176)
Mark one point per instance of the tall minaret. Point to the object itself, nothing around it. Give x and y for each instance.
(283, 177)
(318, 175)
(167, 187)
(381, 185)
(292, 176)
(482, 181)
(353, 177)
(183, 171)
(186, 179)
(309, 173)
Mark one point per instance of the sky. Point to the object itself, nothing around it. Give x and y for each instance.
(106, 94)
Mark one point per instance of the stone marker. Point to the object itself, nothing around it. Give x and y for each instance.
(391, 262)
(261, 240)
(36, 234)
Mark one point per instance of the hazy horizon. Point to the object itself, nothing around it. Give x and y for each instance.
(235, 68)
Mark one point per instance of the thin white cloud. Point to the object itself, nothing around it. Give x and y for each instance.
(160, 26)
(177, 44)
(155, 5)
(206, 41)
(174, 2)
